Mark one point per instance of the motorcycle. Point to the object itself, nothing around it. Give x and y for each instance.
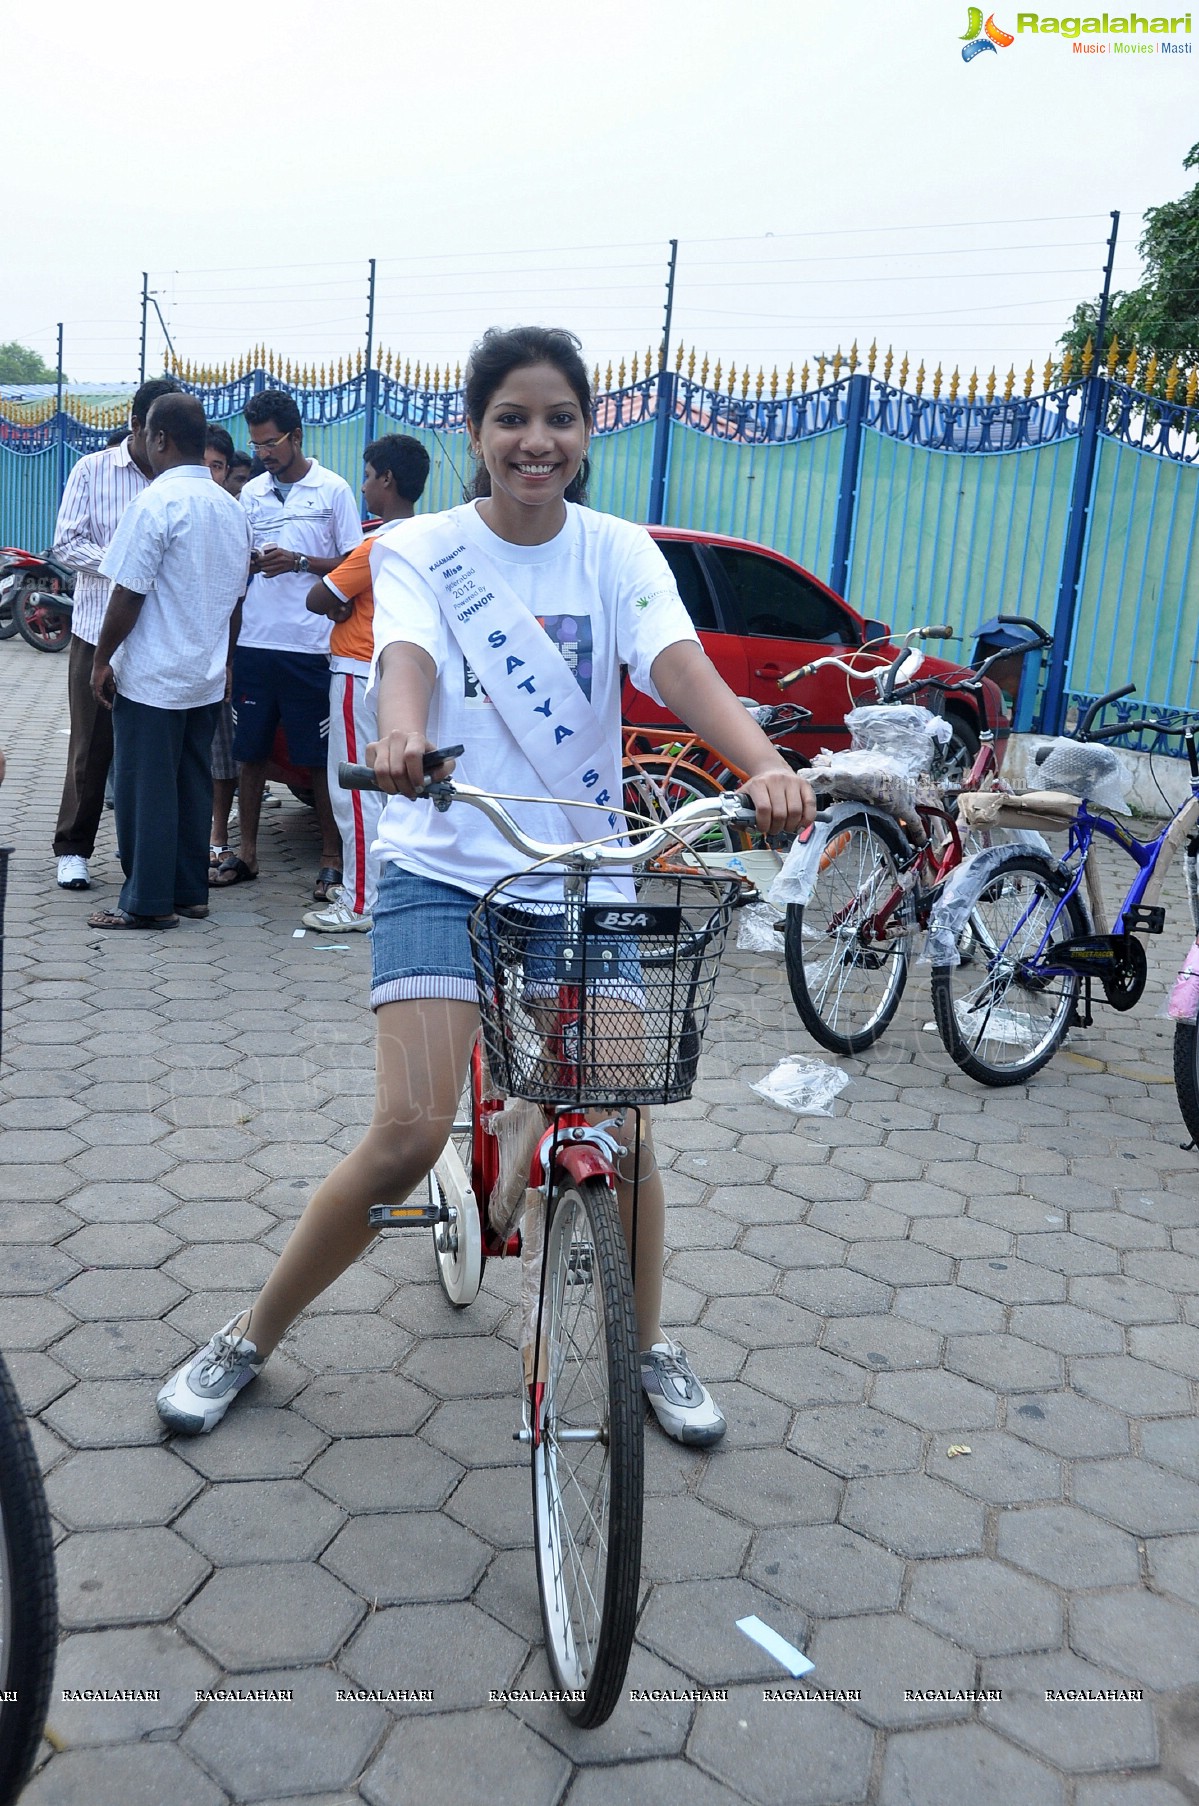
(35, 599)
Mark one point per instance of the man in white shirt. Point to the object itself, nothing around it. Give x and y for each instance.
(179, 563)
(304, 520)
(97, 493)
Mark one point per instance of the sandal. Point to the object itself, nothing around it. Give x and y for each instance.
(327, 881)
(195, 912)
(233, 870)
(120, 918)
(216, 854)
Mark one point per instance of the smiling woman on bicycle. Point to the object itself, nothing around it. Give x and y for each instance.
(503, 625)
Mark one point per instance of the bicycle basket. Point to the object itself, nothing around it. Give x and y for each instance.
(590, 1001)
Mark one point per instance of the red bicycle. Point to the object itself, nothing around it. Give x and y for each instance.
(593, 1000)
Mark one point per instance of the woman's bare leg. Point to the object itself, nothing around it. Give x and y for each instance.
(423, 1050)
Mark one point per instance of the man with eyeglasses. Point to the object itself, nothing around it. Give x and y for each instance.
(304, 519)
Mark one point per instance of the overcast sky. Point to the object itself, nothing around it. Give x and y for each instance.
(830, 172)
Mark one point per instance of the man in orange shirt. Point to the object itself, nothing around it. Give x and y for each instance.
(395, 469)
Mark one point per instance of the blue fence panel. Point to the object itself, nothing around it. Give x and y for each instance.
(1138, 616)
(942, 537)
(949, 508)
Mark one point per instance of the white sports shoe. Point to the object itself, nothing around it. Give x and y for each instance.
(72, 872)
(337, 918)
(197, 1397)
(682, 1405)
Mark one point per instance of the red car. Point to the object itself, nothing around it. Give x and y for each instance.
(760, 615)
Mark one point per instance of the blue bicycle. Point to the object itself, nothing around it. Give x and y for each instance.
(1021, 939)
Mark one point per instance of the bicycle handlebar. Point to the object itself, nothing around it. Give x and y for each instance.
(730, 807)
(943, 632)
(1101, 702)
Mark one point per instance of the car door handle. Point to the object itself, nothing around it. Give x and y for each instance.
(769, 671)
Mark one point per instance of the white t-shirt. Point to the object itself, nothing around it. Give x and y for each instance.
(183, 544)
(320, 519)
(605, 596)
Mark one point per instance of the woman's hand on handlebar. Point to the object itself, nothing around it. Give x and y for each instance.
(397, 761)
(783, 800)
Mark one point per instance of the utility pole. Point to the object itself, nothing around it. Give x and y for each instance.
(1104, 299)
(1053, 702)
(674, 258)
(145, 307)
(370, 316)
(663, 405)
(59, 422)
(370, 381)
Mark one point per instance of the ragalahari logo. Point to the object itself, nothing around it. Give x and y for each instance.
(979, 37)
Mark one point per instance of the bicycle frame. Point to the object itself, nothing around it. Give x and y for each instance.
(1151, 857)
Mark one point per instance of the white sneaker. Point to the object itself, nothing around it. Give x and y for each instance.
(337, 918)
(682, 1405)
(72, 873)
(195, 1399)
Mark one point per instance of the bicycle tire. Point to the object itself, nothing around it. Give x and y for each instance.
(1186, 1078)
(28, 1597)
(987, 1005)
(847, 991)
(588, 1495)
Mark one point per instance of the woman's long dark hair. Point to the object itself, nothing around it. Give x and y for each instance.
(496, 355)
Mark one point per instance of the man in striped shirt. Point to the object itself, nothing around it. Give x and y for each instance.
(98, 491)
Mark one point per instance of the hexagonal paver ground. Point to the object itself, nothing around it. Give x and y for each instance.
(936, 1265)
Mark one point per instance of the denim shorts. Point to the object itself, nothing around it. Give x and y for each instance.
(420, 945)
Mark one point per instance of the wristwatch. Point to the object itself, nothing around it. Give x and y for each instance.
(302, 564)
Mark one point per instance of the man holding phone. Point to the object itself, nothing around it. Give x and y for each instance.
(304, 520)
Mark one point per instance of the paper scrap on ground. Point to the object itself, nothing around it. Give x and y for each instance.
(297, 934)
(337, 947)
(958, 1448)
(806, 1087)
(774, 1645)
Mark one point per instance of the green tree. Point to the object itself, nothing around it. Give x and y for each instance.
(1162, 314)
(18, 364)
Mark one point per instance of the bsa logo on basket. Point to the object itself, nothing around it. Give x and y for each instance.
(603, 919)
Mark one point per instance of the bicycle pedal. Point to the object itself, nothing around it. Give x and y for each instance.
(1145, 918)
(407, 1216)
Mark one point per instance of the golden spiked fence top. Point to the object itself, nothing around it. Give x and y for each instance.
(1140, 370)
(103, 416)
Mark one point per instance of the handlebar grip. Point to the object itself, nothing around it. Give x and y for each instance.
(1099, 703)
(1114, 729)
(1043, 638)
(944, 632)
(356, 777)
(793, 677)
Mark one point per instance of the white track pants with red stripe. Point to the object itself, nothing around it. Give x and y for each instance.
(352, 723)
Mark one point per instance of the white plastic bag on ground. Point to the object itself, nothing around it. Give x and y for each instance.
(806, 1087)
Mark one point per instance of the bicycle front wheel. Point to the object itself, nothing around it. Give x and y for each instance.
(28, 1608)
(588, 1452)
(1000, 1016)
(846, 949)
